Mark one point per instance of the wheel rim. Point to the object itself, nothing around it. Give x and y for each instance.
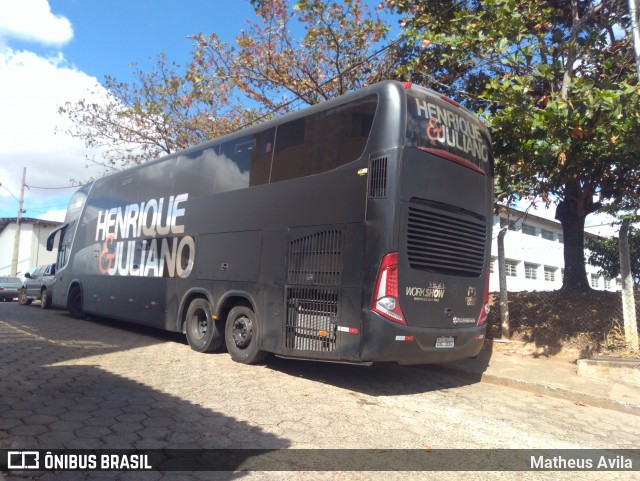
(242, 331)
(44, 296)
(199, 324)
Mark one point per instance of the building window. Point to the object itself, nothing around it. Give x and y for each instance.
(547, 234)
(550, 273)
(607, 283)
(561, 238)
(511, 268)
(529, 230)
(491, 264)
(595, 278)
(530, 270)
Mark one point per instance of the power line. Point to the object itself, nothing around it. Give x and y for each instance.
(10, 193)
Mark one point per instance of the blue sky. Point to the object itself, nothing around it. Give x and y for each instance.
(111, 34)
(54, 51)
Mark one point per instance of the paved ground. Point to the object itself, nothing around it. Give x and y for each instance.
(66, 383)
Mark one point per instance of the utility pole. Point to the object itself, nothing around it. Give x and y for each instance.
(16, 239)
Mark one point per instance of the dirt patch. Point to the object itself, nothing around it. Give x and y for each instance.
(575, 325)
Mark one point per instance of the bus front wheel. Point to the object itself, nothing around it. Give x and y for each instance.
(74, 304)
(45, 299)
(241, 336)
(202, 333)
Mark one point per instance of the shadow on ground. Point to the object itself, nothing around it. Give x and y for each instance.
(44, 405)
(383, 379)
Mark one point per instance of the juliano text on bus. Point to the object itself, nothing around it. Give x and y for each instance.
(357, 230)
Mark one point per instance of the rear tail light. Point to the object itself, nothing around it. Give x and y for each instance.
(484, 311)
(385, 296)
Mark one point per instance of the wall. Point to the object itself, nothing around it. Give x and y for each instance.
(32, 248)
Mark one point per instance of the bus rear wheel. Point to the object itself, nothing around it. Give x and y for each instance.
(241, 336)
(201, 329)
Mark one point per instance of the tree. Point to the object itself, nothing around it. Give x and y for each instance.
(159, 113)
(604, 254)
(556, 83)
(308, 51)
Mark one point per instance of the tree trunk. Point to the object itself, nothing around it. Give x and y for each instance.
(505, 327)
(628, 301)
(575, 272)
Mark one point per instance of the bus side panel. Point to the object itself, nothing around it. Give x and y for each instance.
(350, 323)
(272, 278)
(229, 256)
(159, 302)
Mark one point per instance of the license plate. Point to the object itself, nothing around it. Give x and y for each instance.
(446, 342)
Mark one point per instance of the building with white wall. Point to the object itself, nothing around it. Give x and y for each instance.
(534, 255)
(32, 249)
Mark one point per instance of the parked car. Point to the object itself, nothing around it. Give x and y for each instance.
(9, 288)
(37, 286)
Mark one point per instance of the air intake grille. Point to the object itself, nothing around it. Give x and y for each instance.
(312, 317)
(378, 178)
(444, 242)
(316, 259)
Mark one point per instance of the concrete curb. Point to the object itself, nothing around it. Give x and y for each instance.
(611, 368)
(546, 390)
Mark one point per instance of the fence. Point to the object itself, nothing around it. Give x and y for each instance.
(550, 318)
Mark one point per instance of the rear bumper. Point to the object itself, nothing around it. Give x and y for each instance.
(386, 341)
(9, 293)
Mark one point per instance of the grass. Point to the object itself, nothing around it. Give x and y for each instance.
(556, 322)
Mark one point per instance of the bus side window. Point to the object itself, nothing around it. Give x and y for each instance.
(66, 236)
(288, 158)
(323, 141)
(252, 155)
(261, 158)
(62, 256)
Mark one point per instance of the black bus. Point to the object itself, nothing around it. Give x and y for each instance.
(357, 230)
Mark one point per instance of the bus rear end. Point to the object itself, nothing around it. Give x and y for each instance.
(429, 297)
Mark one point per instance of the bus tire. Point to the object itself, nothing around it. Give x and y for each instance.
(74, 303)
(45, 299)
(202, 332)
(241, 336)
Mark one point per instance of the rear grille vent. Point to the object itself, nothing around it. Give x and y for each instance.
(378, 178)
(316, 259)
(439, 241)
(312, 317)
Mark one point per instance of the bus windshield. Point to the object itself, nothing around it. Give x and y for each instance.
(436, 125)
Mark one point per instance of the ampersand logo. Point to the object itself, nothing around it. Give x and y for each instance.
(107, 255)
(434, 130)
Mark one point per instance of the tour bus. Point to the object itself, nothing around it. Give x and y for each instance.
(357, 230)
